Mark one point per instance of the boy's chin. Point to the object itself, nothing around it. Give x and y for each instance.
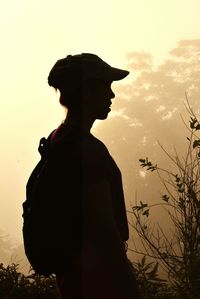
(103, 115)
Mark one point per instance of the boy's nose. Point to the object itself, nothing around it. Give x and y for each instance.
(112, 95)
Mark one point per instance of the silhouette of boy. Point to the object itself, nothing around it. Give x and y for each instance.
(87, 184)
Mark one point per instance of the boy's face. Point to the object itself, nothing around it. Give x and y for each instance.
(96, 98)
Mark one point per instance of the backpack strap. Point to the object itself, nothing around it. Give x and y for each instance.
(43, 149)
(44, 145)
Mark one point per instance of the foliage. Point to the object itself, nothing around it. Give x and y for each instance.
(15, 285)
(177, 250)
(151, 286)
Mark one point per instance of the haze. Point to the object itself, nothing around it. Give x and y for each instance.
(34, 34)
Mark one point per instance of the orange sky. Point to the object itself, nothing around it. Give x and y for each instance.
(34, 34)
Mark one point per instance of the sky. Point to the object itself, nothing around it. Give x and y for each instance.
(34, 34)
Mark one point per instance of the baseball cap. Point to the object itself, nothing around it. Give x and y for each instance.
(73, 69)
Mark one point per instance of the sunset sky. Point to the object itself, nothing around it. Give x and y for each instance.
(34, 34)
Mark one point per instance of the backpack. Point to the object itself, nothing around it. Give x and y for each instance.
(48, 235)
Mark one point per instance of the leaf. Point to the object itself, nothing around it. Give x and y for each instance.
(177, 178)
(165, 197)
(146, 213)
(146, 163)
(142, 160)
(135, 208)
(140, 207)
(194, 124)
(143, 205)
(196, 143)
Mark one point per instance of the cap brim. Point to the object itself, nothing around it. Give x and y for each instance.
(118, 74)
(110, 73)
